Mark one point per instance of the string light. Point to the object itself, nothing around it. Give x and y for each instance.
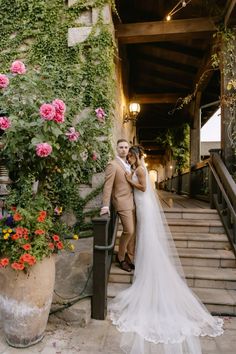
(176, 8)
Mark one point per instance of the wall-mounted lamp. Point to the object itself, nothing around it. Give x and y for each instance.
(134, 109)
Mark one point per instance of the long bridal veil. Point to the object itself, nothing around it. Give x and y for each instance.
(158, 313)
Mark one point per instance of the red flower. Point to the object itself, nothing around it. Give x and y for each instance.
(26, 247)
(17, 266)
(17, 217)
(15, 237)
(28, 258)
(56, 238)
(59, 245)
(39, 232)
(51, 246)
(42, 216)
(4, 262)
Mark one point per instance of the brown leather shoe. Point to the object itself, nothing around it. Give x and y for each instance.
(123, 265)
(127, 259)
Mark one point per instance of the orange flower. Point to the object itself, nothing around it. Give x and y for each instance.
(26, 247)
(51, 246)
(4, 262)
(17, 217)
(15, 237)
(27, 258)
(56, 238)
(17, 266)
(59, 245)
(42, 216)
(39, 232)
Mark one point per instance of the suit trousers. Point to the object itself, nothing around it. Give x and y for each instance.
(127, 239)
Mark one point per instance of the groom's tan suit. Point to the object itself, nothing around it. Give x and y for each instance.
(119, 191)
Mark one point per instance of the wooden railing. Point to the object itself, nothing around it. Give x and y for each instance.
(105, 230)
(194, 183)
(223, 195)
(210, 181)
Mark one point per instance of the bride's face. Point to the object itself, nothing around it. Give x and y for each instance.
(131, 159)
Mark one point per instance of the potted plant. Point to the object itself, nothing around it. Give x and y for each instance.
(36, 143)
(28, 240)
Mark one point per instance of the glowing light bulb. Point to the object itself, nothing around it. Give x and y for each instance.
(145, 155)
(168, 18)
(171, 167)
(184, 3)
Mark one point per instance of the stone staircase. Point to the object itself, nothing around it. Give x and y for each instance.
(205, 253)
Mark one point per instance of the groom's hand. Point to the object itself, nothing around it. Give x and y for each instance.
(104, 210)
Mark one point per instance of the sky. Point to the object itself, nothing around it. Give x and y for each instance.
(211, 131)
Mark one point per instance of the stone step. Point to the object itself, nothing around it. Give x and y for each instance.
(204, 257)
(207, 257)
(197, 277)
(197, 214)
(193, 226)
(218, 301)
(195, 240)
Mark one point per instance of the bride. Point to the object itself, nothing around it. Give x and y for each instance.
(158, 313)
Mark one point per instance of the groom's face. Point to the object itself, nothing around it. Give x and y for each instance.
(122, 149)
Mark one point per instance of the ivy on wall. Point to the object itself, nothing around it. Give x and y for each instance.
(36, 31)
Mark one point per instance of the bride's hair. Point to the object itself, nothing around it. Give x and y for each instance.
(137, 150)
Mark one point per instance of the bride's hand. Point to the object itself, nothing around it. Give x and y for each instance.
(128, 176)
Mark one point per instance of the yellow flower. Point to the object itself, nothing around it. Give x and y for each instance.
(76, 237)
(5, 230)
(6, 236)
(9, 230)
(71, 246)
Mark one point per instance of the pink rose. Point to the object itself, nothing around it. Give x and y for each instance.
(47, 111)
(43, 149)
(94, 156)
(5, 123)
(59, 117)
(72, 134)
(17, 67)
(59, 105)
(100, 114)
(4, 81)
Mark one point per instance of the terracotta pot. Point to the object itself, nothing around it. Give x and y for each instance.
(25, 301)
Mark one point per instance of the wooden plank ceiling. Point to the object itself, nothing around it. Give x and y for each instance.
(162, 61)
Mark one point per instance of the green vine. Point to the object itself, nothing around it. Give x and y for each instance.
(177, 141)
(36, 31)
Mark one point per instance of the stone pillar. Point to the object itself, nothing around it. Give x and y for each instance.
(228, 104)
(195, 131)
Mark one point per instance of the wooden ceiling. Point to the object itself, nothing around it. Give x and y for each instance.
(163, 60)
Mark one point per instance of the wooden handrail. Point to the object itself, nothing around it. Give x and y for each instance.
(105, 230)
(223, 195)
(225, 177)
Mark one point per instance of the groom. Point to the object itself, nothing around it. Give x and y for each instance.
(118, 189)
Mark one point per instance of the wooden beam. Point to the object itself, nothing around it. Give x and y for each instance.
(228, 10)
(164, 31)
(153, 98)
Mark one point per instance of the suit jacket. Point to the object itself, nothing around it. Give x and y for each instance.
(117, 188)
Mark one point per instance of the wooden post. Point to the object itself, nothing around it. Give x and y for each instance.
(212, 183)
(228, 67)
(99, 298)
(195, 137)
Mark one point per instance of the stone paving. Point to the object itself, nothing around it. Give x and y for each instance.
(102, 337)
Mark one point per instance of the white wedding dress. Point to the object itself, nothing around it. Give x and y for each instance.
(158, 313)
